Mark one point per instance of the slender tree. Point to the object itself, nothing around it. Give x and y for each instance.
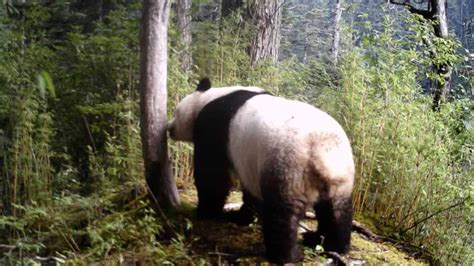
(434, 10)
(153, 100)
(183, 19)
(337, 31)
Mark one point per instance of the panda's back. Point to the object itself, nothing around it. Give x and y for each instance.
(282, 114)
(269, 119)
(273, 130)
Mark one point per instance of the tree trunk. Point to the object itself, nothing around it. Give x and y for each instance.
(266, 16)
(441, 89)
(337, 31)
(435, 11)
(153, 100)
(183, 16)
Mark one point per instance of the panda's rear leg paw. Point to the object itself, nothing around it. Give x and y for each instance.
(282, 257)
(312, 239)
(209, 213)
(333, 246)
(238, 217)
(335, 223)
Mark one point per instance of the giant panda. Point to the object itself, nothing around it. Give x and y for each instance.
(288, 156)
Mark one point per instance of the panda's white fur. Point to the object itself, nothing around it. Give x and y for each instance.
(287, 154)
(267, 122)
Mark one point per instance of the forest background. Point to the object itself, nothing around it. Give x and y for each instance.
(71, 167)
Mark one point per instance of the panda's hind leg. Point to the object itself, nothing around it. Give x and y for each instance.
(334, 225)
(280, 215)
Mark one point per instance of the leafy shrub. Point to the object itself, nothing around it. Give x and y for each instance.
(408, 158)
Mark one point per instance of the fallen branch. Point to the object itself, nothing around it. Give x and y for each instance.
(356, 226)
(7, 246)
(359, 228)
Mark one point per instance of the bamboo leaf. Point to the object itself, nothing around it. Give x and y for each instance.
(45, 83)
(41, 85)
(49, 83)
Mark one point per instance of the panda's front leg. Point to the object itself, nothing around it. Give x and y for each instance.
(213, 183)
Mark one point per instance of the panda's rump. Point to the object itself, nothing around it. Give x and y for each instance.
(307, 146)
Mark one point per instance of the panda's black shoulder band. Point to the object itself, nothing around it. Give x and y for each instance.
(204, 85)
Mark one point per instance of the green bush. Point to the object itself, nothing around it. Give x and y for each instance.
(72, 185)
(409, 159)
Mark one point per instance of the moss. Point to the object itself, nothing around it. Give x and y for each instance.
(219, 242)
(216, 238)
(365, 251)
(376, 253)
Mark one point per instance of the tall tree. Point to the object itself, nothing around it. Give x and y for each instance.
(153, 101)
(434, 10)
(266, 16)
(183, 18)
(337, 31)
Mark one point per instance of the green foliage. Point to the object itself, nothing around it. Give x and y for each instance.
(220, 50)
(437, 52)
(408, 158)
(24, 114)
(72, 183)
(306, 28)
(120, 231)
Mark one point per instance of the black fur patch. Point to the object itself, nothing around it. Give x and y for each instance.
(211, 157)
(204, 84)
(334, 232)
(280, 213)
(246, 214)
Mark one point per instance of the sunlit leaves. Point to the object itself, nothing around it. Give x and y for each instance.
(45, 83)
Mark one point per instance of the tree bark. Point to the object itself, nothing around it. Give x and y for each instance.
(436, 11)
(153, 101)
(337, 31)
(183, 17)
(266, 16)
(441, 89)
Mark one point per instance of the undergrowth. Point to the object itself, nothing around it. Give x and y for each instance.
(72, 185)
(413, 166)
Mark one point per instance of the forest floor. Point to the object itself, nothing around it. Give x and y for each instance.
(184, 240)
(226, 243)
